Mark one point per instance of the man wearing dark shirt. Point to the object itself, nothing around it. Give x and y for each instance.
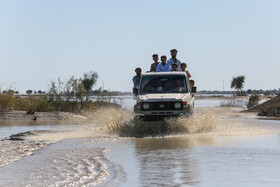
(136, 80)
(154, 65)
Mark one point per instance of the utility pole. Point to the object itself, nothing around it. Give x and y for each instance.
(223, 87)
(102, 85)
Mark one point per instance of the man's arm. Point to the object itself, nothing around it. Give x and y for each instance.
(188, 74)
(134, 81)
(168, 68)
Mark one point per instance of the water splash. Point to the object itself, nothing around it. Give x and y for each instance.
(181, 125)
(109, 119)
(114, 122)
(104, 122)
(203, 123)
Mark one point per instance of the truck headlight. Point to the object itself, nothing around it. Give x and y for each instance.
(178, 105)
(138, 105)
(146, 106)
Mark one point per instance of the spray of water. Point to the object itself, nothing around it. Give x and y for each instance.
(182, 125)
(114, 122)
(109, 119)
(203, 123)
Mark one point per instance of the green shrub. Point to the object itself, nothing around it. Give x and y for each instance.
(253, 101)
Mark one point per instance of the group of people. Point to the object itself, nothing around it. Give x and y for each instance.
(173, 64)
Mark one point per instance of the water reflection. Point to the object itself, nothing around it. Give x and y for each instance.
(168, 161)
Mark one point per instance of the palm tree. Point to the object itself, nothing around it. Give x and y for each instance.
(238, 83)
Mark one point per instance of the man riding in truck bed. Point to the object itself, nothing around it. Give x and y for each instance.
(173, 59)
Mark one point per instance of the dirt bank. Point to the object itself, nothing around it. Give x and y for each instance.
(220, 97)
(30, 115)
(269, 108)
(273, 102)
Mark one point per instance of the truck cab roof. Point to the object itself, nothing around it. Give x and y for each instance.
(165, 73)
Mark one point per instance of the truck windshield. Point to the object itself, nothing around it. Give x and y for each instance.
(163, 84)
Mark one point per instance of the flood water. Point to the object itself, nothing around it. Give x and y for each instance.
(216, 147)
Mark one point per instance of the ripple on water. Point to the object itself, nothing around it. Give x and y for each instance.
(69, 162)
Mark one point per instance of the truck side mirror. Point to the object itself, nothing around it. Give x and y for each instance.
(193, 89)
(135, 91)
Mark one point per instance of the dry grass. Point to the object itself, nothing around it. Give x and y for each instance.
(45, 103)
(232, 103)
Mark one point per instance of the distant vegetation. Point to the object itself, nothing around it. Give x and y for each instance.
(247, 92)
(71, 95)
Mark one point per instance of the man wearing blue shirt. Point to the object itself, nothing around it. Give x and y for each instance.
(163, 66)
(173, 59)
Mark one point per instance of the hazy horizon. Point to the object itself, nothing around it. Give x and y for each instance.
(219, 40)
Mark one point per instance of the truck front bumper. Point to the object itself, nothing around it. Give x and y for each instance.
(162, 113)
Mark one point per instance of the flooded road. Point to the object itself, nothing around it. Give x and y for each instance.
(217, 147)
(169, 161)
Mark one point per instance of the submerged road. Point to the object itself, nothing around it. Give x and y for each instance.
(217, 147)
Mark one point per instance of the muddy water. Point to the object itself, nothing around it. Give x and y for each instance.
(169, 161)
(216, 147)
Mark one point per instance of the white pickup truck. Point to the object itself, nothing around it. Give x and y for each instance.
(164, 94)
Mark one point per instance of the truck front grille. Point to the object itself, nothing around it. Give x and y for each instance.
(162, 106)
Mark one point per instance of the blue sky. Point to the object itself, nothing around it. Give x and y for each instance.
(43, 40)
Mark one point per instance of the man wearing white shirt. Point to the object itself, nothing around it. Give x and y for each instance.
(173, 59)
(163, 66)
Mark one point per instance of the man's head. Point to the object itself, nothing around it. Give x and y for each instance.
(138, 71)
(174, 67)
(192, 83)
(183, 66)
(173, 53)
(155, 57)
(163, 59)
(178, 82)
